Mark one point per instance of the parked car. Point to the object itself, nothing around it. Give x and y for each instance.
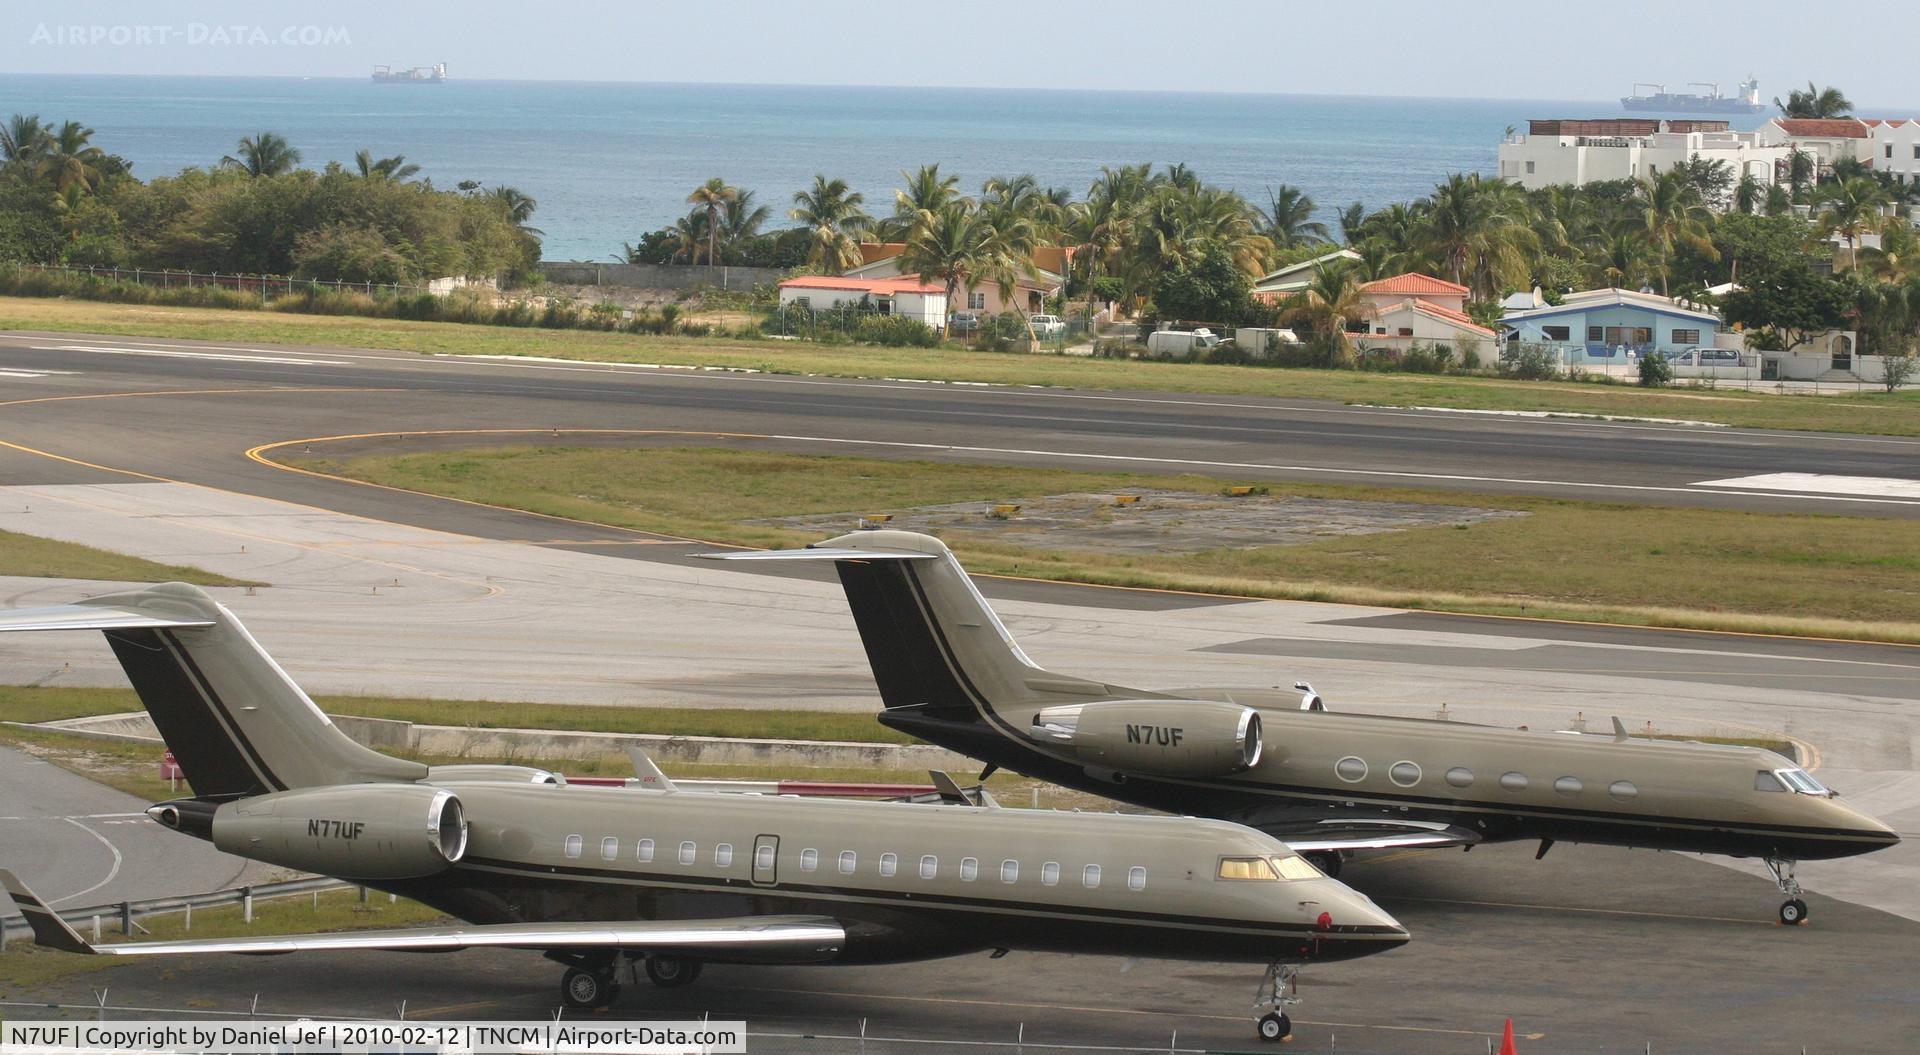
(1047, 327)
(1170, 344)
(964, 322)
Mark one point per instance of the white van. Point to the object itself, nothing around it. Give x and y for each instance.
(1179, 344)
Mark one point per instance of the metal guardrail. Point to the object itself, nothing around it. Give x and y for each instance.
(124, 913)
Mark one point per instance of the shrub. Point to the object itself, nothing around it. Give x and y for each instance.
(1655, 370)
(895, 331)
(1531, 362)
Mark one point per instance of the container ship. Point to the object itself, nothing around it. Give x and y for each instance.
(1662, 101)
(433, 74)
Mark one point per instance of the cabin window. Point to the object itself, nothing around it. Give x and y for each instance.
(929, 866)
(1404, 774)
(848, 861)
(686, 853)
(609, 848)
(1513, 781)
(969, 869)
(643, 851)
(809, 860)
(1050, 873)
(1623, 790)
(1460, 777)
(1136, 878)
(1009, 871)
(1246, 868)
(1350, 769)
(574, 842)
(888, 864)
(763, 856)
(1090, 877)
(1568, 785)
(723, 855)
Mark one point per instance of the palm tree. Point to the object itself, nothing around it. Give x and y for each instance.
(948, 246)
(1288, 219)
(1672, 215)
(832, 212)
(68, 157)
(1476, 229)
(742, 219)
(710, 198)
(22, 137)
(1749, 194)
(926, 190)
(1324, 307)
(691, 237)
(394, 168)
(267, 154)
(1814, 102)
(519, 207)
(1351, 218)
(1851, 208)
(1619, 257)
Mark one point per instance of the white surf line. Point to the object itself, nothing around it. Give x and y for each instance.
(177, 354)
(111, 872)
(1824, 483)
(1691, 489)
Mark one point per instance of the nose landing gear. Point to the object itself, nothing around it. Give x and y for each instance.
(1793, 911)
(1279, 990)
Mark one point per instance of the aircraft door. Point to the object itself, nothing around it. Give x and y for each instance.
(766, 856)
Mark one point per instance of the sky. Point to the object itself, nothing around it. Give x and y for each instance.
(1472, 48)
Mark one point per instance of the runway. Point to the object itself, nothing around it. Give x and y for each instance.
(199, 406)
(375, 591)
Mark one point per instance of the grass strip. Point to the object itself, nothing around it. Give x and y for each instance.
(32, 556)
(1867, 412)
(1709, 569)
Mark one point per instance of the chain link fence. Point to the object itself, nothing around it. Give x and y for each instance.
(267, 286)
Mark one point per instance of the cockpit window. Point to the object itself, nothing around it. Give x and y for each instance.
(1764, 780)
(1802, 781)
(1246, 868)
(1295, 868)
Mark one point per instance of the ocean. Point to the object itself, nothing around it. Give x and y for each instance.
(610, 161)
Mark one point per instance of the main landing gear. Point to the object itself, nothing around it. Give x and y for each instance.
(1279, 990)
(592, 985)
(1793, 911)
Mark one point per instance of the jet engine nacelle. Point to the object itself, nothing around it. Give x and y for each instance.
(355, 831)
(1174, 738)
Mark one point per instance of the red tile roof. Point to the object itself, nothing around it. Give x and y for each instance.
(1837, 128)
(903, 284)
(1415, 284)
(1437, 312)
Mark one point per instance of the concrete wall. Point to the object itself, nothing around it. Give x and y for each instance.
(656, 276)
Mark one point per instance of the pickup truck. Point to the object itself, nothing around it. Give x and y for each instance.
(1047, 327)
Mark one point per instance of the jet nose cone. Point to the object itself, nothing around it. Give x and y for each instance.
(1347, 910)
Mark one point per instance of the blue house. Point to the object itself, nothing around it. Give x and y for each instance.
(1612, 325)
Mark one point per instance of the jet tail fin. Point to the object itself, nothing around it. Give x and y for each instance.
(931, 639)
(48, 928)
(235, 722)
(649, 773)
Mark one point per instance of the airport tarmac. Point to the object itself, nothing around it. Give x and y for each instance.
(377, 592)
(1594, 949)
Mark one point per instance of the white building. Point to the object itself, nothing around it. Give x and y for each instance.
(884, 296)
(1895, 147)
(1581, 152)
(1827, 139)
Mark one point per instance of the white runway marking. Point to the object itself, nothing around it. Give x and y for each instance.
(23, 372)
(111, 872)
(1824, 483)
(171, 353)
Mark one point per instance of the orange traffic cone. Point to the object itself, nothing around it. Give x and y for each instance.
(1506, 1041)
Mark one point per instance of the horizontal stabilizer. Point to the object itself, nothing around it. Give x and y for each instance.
(782, 939)
(92, 617)
(820, 554)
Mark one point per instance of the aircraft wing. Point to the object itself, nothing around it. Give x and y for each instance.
(782, 939)
(1370, 833)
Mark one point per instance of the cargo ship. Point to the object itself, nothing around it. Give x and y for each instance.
(433, 74)
(1662, 101)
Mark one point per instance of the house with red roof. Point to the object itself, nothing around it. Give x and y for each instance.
(886, 295)
(1827, 139)
(1438, 292)
(1412, 308)
(1896, 147)
(1051, 264)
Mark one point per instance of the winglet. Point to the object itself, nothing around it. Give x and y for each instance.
(48, 928)
(649, 774)
(1619, 731)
